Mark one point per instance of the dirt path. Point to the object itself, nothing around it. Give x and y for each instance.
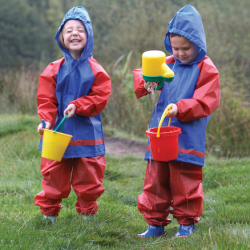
(123, 147)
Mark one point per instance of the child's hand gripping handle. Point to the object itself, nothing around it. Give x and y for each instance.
(166, 111)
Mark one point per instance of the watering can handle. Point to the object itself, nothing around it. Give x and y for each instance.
(62, 122)
(166, 111)
(44, 124)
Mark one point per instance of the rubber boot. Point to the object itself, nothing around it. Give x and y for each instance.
(52, 218)
(153, 231)
(86, 217)
(185, 231)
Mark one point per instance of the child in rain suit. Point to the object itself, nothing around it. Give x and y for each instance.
(76, 85)
(193, 95)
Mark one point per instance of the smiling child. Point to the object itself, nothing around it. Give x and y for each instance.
(76, 85)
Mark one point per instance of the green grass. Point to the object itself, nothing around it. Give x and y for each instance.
(225, 223)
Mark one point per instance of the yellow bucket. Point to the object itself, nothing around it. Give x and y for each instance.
(154, 67)
(54, 144)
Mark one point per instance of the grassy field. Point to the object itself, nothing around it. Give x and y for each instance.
(225, 223)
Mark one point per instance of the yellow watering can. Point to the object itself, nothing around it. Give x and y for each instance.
(155, 69)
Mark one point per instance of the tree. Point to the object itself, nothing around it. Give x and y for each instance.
(27, 31)
(20, 34)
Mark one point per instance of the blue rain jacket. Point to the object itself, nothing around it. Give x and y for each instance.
(195, 89)
(83, 83)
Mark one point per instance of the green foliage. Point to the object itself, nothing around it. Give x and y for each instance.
(223, 225)
(122, 26)
(225, 26)
(19, 32)
(228, 131)
(18, 89)
(123, 30)
(124, 112)
(54, 15)
(27, 30)
(140, 25)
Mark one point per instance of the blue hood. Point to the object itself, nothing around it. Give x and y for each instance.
(78, 13)
(187, 22)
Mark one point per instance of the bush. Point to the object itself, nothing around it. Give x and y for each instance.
(140, 25)
(18, 89)
(124, 112)
(228, 131)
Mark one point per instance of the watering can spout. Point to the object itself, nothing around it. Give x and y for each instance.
(166, 71)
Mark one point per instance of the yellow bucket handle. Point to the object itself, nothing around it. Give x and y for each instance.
(166, 111)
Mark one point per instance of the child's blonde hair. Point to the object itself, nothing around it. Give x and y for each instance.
(60, 38)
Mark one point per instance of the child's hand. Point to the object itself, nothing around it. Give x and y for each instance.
(40, 127)
(150, 86)
(71, 109)
(173, 112)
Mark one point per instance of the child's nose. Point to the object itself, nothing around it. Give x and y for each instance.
(182, 52)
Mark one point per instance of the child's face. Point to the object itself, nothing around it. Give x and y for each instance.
(75, 37)
(184, 50)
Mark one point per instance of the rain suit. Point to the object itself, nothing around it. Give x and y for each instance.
(85, 84)
(196, 92)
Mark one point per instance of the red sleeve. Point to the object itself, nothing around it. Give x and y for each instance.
(93, 103)
(206, 96)
(139, 84)
(46, 94)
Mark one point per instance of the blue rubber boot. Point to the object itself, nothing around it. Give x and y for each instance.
(86, 217)
(153, 231)
(52, 218)
(185, 231)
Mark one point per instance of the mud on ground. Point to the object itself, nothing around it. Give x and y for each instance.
(124, 146)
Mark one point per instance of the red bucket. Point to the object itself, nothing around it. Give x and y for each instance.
(164, 148)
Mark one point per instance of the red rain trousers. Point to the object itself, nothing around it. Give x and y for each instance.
(84, 174)
(171, 184)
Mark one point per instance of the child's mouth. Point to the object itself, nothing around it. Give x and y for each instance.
(75, 41)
